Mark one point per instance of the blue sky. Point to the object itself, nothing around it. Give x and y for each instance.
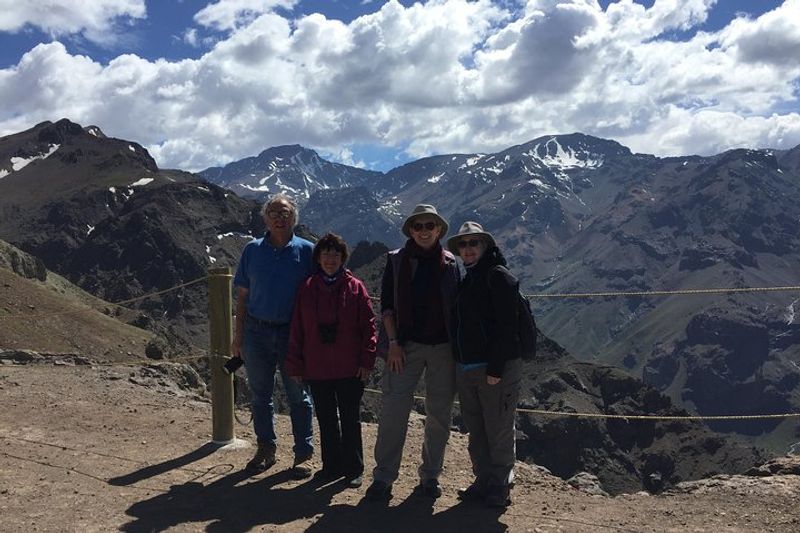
(377, 83)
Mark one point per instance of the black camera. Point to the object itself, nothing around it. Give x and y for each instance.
(232, 365)
(327, 332)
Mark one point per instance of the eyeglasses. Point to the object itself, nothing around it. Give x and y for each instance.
(419, 226)
(285, 214)
(472, 243)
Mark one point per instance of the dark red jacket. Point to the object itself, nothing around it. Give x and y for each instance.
(345, 301)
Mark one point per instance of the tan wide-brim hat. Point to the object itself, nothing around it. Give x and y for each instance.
(424, 209)
(469, 228)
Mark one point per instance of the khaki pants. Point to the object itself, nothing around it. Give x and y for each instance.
(436, 361)
(488, 412)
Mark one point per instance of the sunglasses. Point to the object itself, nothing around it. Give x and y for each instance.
(472, 243)
(419, 226)
(275, 215)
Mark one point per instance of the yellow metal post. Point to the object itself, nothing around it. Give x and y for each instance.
(221, 333)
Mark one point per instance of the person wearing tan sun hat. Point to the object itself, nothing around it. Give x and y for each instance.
(418, 288)
(488, 368)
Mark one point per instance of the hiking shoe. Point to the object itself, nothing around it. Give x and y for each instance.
(430, 488)
(300, 470)
(474, 493)
(263, 459)
(355, 481)
(379, 491)
(498, 496)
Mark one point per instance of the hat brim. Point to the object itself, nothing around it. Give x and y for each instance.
(452, 242)
(407, 224)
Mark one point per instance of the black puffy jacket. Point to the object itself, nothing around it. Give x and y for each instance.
(485, 321)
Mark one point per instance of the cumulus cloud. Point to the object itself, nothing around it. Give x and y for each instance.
(94, 19)
(443, 76)
(774, 38)
(230, 14)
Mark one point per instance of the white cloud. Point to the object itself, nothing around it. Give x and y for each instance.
(231, 14)
(443, 76)
(773, 39)
(345, 157)
(190, 37)
(94, 20)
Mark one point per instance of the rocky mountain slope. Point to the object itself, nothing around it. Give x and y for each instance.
(292, 169)
(100, 212)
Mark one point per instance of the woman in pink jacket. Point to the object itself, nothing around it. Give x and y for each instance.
(332, 348)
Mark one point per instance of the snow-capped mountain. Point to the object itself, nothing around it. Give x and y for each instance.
(292, 169)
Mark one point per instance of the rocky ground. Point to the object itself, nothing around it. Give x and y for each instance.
(94, 447)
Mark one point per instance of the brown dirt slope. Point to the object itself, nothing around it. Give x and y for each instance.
(55, 316)
(98, 448)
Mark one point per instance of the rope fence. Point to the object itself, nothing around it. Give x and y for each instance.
(542, 412)
(122, 302)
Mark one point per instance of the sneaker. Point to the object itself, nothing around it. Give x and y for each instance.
(378, 491)
(430, 488)
(498, 496)
(301, 470)
(355, 482)
(474, 493)
(263, 459)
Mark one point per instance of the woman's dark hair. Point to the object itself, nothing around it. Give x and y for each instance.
(331, 241)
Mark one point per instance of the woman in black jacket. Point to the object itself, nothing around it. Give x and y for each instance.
(487, 350)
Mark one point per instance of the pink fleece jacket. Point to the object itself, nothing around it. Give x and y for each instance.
(346, 302)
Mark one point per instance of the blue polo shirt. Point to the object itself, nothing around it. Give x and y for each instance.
(273, 275)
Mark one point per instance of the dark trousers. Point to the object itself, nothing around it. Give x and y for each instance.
(337, 403)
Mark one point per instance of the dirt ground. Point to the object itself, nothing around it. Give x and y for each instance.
(99, 448)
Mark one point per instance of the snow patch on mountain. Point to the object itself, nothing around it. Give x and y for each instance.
(436, 178)
(4, 173)
(790, 313)
(261, 188)
(472, 161)
(233, 234)
(141, 183)
(391, 207)
(556, 156)
(18, 163)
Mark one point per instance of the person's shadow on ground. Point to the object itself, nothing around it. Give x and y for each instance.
(229, 506)
(414, 514)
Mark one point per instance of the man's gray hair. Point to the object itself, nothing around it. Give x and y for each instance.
(281, 197)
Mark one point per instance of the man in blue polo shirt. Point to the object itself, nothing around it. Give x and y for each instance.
(269, 273)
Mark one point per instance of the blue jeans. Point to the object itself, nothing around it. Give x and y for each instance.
(265, 350)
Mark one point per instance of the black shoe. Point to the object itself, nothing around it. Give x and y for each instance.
(379, 491)
(430, 488)
(263, 459)
(326, 475)
(498, 496)
(474, 493)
